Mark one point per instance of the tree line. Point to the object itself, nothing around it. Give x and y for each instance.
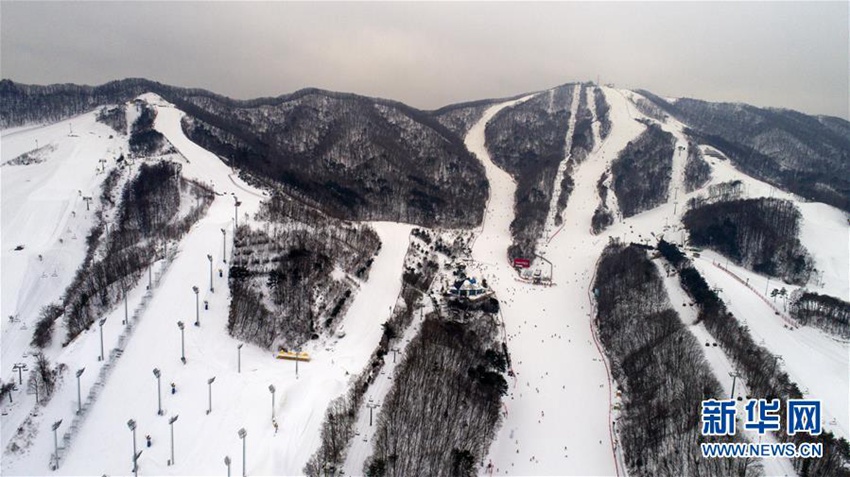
(459, 118)
(582, 141)
(641, 172)
(147, 218)
(341, 415)
(282, 288)
(659, 368)
(602, 216)
(602, 112)
(528, 140)
(144, 139)
(697, 169)
(823, 311)
(114, 117)
(759, 234)
(443, 409)
(761, 370)
(722, 192)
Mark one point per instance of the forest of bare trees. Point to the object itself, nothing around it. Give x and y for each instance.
(28, 104)
(759, 234)
(602, 110)
(659, 367)
(761, 370)
(144, 139)
(823, 311)
(114, 117)
(147, 218)
(359, 158)
(43, 333)
(582, 140)
(442, 411)
(45, 378)
(602, 216)
(282, 285)
(697, 169)
(459, 118)
(642, 171)
(807, 155)
(528, 140)
(346, 153)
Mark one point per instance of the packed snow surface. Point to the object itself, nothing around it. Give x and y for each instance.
(559, 412)
(103, 444)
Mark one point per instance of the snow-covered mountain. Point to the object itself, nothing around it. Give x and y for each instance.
(462, 281)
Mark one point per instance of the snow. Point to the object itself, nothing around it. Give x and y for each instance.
(41, 205)
(720, 364)
(815, 361)
(825, 232)
(44, 211)
(363, 443)
(550, 226)
(103, 443)
(538, 320)
(559, 407)
(558, 402)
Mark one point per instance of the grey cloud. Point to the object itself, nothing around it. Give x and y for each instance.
(791, 55)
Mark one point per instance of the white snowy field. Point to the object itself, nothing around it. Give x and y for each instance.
(817, 362)
(103, 444)
(547, 432)
(558, 407)
(721, 366)
(558, 412)
(43, 211)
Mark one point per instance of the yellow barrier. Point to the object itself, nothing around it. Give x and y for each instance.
(297, 356)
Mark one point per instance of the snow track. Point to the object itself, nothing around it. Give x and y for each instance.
(103, 444)
(550, 227)
(362, 445)
(812, 359)
(558, 401)
(44, 210)
(558, 412)
(719, 363)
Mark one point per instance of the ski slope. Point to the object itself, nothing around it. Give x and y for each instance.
(558, 403)
(103, 444)
(720, 365)
(43, 210)
(558, 416)
(817, 362)
(539, 319)
(363, 442)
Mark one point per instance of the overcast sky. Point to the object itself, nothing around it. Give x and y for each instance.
(792, 55)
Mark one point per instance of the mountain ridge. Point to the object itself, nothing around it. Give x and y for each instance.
(804, 154)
